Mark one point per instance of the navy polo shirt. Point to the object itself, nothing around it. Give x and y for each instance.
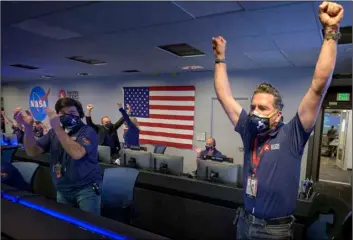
(278, 172)
(132, 135)
(75, 174)
(216, 153)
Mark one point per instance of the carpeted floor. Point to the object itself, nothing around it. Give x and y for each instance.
(329, 171)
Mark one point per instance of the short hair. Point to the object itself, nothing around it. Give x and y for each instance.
(214, 140)
(69, 102)
(268, 88)
(37, 122)
(103, 117)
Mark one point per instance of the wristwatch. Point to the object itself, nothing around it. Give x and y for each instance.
(334, 36)
(220, 61)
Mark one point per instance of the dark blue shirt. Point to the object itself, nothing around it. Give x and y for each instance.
(75, 174)
(19, 133)
(278, 172)
(132, 135)
(12, 177)
(38, 132)
(216, 153)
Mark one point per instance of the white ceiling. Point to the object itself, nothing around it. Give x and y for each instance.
(125, 34)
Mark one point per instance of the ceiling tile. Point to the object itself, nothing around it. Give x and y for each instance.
(201, 9)
(252, 5)
(345, 48)
(269, 59)
(287, 19)
(252, 44)
(302, 57)
(111, 16)
(298, 40)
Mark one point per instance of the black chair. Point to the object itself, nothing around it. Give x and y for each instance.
(159, 149)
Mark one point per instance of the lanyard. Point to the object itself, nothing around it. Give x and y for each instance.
(256, 158)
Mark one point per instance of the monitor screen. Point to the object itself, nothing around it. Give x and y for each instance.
(141, 158)
(9, 139)
(222, 172)
(172, 164)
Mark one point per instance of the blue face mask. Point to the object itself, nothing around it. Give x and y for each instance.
(70, 121)
(260, 124)
(209, 148)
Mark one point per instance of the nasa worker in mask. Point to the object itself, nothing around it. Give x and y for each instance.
(38, 129)
(107, 131)
(73, 149)
(272, 149)
(17, 129)
(132, 128)
(210, 149)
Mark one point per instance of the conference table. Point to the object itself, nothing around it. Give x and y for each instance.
(182, 207)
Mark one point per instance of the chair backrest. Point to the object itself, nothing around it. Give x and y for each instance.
(27, 170)
(43, 183)
(117, 190)
(7, 155)
(159, 149)
(104, 154)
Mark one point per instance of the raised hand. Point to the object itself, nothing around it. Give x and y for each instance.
(89, 107)
(219, 47)
(26, 120)
(54, 118)
(198, 151)
(330, 14)
(128, 108)
(119, 105)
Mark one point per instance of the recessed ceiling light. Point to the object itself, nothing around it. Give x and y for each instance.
(83, 74)
(47, 76)
(192, 67)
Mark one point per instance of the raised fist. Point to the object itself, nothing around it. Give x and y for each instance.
(26, 120)
(219, 47)
(119, 105)
(128, 108)
(330, 14)
(89, 107)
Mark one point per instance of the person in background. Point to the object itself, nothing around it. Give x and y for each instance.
(12, 177)
(273, 150)
(73, 149)
(17, 129)
(210, 149)
(331, 135)
(38, 129)
(132, 131)
(107, 131)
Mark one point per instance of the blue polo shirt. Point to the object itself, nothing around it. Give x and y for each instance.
(75, 174)
(216, 153)
(132, 135)
(278, 172)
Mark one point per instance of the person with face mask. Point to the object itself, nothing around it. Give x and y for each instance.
(73, 149)
(38, 129)
(272, 149)
(17, 129)
(107, 131)
(210, 149)
(132, 128)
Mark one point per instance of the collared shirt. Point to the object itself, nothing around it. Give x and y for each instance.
(75, 174)
(216, 153)
(132, 134)
(278, 172)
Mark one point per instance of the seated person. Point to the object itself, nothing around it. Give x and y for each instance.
(12, 177)
(38, 129)
(107, 132)
(73, 149)
(210, 149)
(132, 131)
(17, 128)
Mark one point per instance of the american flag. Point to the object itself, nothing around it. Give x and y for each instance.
(165, 114)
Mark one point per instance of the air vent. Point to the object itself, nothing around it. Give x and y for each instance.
(87, 60)
(182, 50)
(83, 74)
(342, 76)
(24, 66)
(47, 76)
(346, 35)
(131, 71)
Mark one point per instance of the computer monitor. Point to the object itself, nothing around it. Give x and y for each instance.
(221, 172)
(136, 159)
(218, 159)
(9, 139)
(168, 163)
(104, 154)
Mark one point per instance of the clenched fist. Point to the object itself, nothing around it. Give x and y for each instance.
(330, 14)
(219, 47)
(26, 120)
(89, 107)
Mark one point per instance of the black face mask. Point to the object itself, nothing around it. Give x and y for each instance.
(108, 126)
(70, 121)
(260, 124)
(209, 148)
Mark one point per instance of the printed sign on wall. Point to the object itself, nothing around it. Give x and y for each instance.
(73, 94)
(38, 101)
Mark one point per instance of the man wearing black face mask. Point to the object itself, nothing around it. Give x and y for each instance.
(38, 129)
(210, 149)
(273, 150)
(107, 132)
(73, 149)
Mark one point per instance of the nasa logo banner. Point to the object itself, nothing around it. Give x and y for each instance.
(62, 93)
(38, 101)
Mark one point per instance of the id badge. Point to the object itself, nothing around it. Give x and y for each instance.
(251, 187)
(57, 170)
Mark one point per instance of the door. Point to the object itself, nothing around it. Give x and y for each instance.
(342, 139)
(228, 141)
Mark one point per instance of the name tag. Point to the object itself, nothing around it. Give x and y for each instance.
(251, 187)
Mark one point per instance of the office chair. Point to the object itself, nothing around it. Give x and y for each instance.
(159, 149)
(27, 170)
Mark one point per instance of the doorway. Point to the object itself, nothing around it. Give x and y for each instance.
(336, 147)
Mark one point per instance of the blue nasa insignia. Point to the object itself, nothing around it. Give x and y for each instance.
(38, 101)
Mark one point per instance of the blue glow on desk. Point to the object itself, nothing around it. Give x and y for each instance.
(85, 225)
